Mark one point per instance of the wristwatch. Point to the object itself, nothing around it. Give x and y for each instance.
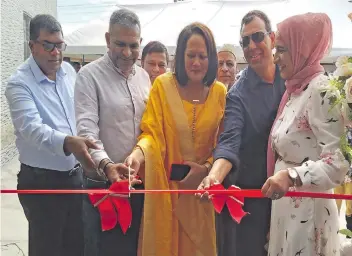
(293, 175)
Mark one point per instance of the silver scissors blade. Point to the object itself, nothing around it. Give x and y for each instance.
(129, 181)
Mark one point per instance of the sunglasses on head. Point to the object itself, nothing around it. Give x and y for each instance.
(49, 47)
(256, 37)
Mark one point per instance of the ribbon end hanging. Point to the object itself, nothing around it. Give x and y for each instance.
(218, 200)
(122, 205)
(124, 213)
(235, 209)
(108, 215)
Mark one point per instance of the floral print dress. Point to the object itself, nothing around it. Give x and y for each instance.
(307, 137)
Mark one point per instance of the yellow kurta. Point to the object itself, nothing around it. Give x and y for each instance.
(345, 188)
(172, 224)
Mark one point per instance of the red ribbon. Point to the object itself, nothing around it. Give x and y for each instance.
(250, 193)
(233, 203)
(114, 207)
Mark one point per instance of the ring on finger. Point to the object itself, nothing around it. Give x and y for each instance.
(275, 196)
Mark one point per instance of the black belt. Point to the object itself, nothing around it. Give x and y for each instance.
(69, 173)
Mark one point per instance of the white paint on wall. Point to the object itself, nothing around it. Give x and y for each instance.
(12, 55)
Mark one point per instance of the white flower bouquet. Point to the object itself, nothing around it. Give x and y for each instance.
(340, 84)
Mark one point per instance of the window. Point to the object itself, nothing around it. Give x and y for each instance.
(26, 21)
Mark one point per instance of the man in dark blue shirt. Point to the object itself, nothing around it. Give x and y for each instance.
(240, 156)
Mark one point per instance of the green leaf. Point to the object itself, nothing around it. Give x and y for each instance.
(338, 83)
(346, 232)
(350, 59)
(345, 147)
(332, 100)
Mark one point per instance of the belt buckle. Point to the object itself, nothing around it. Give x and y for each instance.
(74, 170)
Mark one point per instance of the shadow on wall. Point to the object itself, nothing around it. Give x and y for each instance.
(8, 147)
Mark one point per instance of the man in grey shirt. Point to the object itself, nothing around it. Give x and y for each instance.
(110, 98)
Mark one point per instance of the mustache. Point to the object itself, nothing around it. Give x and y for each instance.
(126, 59)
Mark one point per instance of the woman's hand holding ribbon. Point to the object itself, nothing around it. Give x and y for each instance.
(277, 186)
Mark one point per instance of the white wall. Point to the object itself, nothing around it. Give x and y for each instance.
(12, 55)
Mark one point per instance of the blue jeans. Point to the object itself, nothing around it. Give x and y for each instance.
(112, 242)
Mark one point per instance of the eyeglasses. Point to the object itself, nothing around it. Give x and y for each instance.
(256, 37)
(49, 47)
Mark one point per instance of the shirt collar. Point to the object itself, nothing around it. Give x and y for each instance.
(38, 73)
(255, 78)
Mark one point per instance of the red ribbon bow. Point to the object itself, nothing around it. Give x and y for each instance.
(234, 203)
(114, 208)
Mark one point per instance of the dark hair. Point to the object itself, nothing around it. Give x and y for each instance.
(124, 17)
(154, 46)
(179, 61)
(75, 63)
(256, 13)
(43, 21)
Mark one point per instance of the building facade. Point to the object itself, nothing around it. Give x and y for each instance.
(15, 17)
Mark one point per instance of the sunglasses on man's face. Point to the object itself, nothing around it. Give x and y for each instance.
(256, 37)
(49, 47)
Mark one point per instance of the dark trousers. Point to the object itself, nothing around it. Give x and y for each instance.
(55, 221)
(249, 237)
(349, 224)
(112, 242)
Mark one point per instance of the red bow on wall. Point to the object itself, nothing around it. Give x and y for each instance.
(234, 203)
(115, 207)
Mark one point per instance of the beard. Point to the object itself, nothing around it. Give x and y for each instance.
(125, 65)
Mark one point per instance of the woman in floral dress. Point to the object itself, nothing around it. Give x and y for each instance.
(305, 143)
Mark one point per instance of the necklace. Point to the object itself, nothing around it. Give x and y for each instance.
(194, 119)
(194, 114)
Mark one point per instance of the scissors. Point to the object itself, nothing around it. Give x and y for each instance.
(129, 181)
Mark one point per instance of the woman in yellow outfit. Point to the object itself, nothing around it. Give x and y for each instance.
(180, 125)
